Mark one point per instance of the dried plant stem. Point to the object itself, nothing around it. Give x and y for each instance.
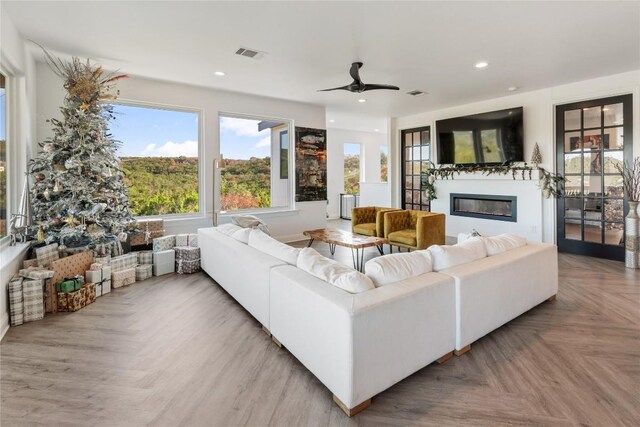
(631, 179)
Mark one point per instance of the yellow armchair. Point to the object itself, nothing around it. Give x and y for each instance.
(369, 220)
(414, 229)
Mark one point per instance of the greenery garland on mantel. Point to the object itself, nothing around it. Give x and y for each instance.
(550, 183)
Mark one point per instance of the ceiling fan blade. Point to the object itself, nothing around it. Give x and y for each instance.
(336, 88)
(355, 72)
(376, 87)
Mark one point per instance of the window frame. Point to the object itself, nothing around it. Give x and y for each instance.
(202, 194)
(291, 181)
(280, 150)
(11, 116)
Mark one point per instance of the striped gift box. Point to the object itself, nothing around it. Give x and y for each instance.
(33, 300)
(143, 272)
(104, 260)
(164, 243)
(38, 273)
(27, 263)
(124, 262)
(16, 305)
(145, 257)
(46, 254)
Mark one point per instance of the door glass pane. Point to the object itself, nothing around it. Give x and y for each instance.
(425, 153)
(592, 162)
(407, 196)
(416, 153)
(613, 115)
(593, 208)
(614, 234)
(614, 138)
(425, 137)
(408, 139)
(593, 231)
(592, 139)
(572, 119)
(613, 186)
(592, 117)
(416, 196)
(611, 159)
(592, 185)
(573, 207)
(407, 154)
(416, 182)
(416, 138)
(572, 142)
(613, 210)
(572, 163)
(572, 229)
(573, 185)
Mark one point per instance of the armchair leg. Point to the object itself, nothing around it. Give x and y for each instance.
(352, 411)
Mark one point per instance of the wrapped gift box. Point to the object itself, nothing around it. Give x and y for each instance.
(38, 273)
(123, 277)
(33, 300)
(164, 243)
(28, 263)
(104, 260)
(46, 254)
(69, 267)
(187, 240)
(70, 285)
(187, 267)
(73, 301)
(50, 296)
(145, 257)
(164, 262)
(16, 304)
(124, 262)
(89, 293)
(145, 237)
(143, 272)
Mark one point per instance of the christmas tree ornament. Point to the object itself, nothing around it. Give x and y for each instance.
(122, 236)
(40, 234)
(71, 184)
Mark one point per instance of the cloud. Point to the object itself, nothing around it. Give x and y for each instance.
(241, 127)
(264, 142)
(172, 149)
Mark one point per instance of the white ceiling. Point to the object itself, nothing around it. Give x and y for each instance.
(430, 46)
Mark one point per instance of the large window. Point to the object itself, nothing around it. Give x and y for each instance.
(159, 156)
(352, 168)
(3, 157)
(256, 163)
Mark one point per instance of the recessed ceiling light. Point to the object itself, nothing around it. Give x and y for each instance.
(331, 121)
(481, 64)
(376, 130)
(512, 88)
(220, 73)
(361, 100)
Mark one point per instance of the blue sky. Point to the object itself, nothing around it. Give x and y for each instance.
(156, 132)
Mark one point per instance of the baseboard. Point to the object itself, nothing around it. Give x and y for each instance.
(5, 328)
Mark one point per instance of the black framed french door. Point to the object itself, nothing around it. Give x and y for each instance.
(592, 137)
(415, 157)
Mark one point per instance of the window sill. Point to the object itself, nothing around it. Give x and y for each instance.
(9, 254)
(260, 213)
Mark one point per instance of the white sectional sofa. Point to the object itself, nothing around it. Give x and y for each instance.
(359, 344)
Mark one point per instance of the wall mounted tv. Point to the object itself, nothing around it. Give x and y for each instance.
(486, 138)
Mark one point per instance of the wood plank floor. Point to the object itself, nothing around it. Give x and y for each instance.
(179, 351)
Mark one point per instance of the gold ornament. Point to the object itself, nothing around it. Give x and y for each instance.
(84, 106)
(40, 234)
(46, 194)
(71, 221)
(57, 187)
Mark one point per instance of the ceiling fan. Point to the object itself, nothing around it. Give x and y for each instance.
(357, 86)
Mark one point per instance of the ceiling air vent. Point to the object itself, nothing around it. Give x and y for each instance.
(415, 92)
(249, 53)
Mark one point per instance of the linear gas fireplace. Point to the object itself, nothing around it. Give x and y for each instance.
(501, 208)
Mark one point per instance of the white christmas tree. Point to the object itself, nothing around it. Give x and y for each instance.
(79, 197)
(536, 156)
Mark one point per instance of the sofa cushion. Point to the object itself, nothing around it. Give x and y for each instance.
(395, 267)
(406, 237)
(445, 256)
(368, 228)
(339, 275)
(269, 245)
(242, 235)
(504, 242)
(227, 229)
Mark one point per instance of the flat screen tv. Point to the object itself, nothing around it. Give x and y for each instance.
(486, 138)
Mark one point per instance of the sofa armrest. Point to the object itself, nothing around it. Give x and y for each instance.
(359, 345)
(430, 230)
(394, 221)
(363, 215)
(380, 219)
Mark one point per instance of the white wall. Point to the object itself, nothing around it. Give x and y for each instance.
(539, 107)
(210, 102)
(370, 143)
(20, 68)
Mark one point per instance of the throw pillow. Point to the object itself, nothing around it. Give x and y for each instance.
(395, 267)
(339, 275)
(269, 245)
(250, 221)
(449, 256)
(505, 242)
(242, 235)
(227, 229)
